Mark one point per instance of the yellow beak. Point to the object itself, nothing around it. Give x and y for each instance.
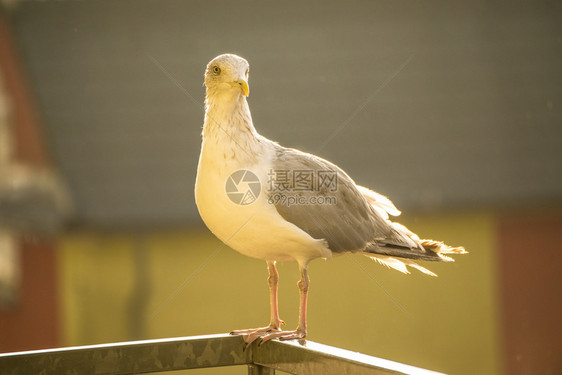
(244, 88)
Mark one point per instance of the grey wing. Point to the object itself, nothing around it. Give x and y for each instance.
(329, 207)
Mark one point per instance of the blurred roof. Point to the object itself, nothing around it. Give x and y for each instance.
(436, 105)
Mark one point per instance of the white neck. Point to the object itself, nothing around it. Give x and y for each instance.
(227, 111)
(228, 129)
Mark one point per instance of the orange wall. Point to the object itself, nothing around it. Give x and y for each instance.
(33, 323)
(530, 254)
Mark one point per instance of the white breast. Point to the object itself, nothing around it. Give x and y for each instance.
(256, 229)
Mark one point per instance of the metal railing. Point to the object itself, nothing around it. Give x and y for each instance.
(184, 353)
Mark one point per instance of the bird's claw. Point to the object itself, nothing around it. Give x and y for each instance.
(252, 331)
(263, 335)
(251, 335)
(273, 326)
(297, 334)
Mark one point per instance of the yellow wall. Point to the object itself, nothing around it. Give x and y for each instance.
(447, 324)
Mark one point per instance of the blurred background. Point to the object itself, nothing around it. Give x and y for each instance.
(452, 109)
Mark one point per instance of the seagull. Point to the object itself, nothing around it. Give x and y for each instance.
(280, 204)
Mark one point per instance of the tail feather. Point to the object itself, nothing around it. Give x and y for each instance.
(439, 247)
(397, 253)
(400, 244)
(399, 264)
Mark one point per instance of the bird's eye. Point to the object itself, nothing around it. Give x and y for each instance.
(216, 70)
(247, 72)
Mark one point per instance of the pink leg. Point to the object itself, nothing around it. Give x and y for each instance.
(251, 335)
(300, 332)
(273, 282)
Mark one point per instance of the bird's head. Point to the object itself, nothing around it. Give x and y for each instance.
(228, 73)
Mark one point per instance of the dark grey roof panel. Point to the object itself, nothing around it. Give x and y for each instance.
(473, 119)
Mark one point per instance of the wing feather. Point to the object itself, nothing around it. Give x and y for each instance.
(349, 217)
(341, 215)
